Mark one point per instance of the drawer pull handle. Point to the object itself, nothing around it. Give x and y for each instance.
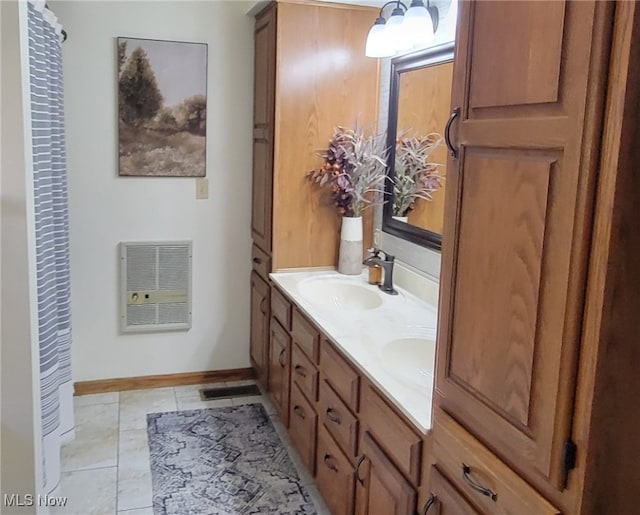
(447, 132)
(466, 475)
(330, 465)
(281, 358)
(257, 260)
(299, 369)
(430, 502)
(299, 411)
(330, 415)
(263, 306)
(358, 464)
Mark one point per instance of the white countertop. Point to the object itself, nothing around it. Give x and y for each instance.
(362, 334)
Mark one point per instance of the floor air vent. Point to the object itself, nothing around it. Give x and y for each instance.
(155, 286)
(226, 392)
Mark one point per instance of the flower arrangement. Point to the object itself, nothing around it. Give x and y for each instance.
(353, 171)
(415, 177)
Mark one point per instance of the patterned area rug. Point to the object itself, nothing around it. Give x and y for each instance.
(222, 461)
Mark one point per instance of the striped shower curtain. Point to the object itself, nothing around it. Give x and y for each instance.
(52, 236)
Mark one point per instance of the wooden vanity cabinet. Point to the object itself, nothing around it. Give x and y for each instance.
(380, 487)
(259, 331)
(294, 114)
(279, 369)
(528, 252)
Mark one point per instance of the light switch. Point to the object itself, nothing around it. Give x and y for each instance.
(202, 188)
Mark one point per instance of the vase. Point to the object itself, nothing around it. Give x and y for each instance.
(350, 254)
(404, 219)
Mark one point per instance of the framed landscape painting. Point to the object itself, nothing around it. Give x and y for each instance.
(162, 108)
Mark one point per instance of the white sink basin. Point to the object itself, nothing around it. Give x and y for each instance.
(410, 360)
(339, 294)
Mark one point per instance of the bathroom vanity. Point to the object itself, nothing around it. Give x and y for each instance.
(351, 374)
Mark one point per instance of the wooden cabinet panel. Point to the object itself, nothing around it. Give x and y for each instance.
(334, 475)
(279, 367)
(454, 449)
(323, 80)
(517, 226)
(343, 378)
(303, 423)
(263, 124)
(260, 262)
(281, 308)
(338, 420)
(493, 354)
(304, 373)
(305, 335)
(446, 500)
(399, 440)
(259, 339)
(380, 487)
(534, 55)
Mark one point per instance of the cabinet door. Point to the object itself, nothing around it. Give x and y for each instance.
(380, 487)
(263, 127)
(259, 326)
(518, 214)
(279, 366)
(334, 475)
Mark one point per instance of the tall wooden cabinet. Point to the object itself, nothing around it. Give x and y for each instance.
(311, 74)
(528, 102)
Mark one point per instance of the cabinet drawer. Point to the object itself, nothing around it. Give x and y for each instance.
(281, 308)
(471, 466)
(261, 262)
(334, 475)
(343, 378)
(338, 420)
(302, 427)
(305, 335)
(445, 499)
(304, 373)
(398, 439)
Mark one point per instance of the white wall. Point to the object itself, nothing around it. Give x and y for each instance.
(20, 434)
(106, 209)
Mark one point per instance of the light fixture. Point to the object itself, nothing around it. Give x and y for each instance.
(420, 22)
(405, 29)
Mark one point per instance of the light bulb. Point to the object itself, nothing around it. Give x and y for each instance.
(395, 32)
(418, 25)
(377, 44)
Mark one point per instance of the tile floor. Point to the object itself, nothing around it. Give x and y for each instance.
(106, 468)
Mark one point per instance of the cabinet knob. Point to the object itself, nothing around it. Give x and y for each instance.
(358, 464)
(257, 260)
(331, 416)
(299, 369)
(447, 133)
(299, 411)
(466, 475)
(329, 463)
(430, 502)
(281, 358)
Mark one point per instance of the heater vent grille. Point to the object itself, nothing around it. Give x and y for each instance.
(155, 286)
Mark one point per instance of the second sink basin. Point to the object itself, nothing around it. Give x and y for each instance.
(339, 294)
(412, 359)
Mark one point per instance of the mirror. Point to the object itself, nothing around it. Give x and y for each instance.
(419, 107)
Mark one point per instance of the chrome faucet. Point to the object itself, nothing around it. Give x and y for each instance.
(387, 270)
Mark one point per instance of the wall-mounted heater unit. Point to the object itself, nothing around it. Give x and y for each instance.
(155, 286)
